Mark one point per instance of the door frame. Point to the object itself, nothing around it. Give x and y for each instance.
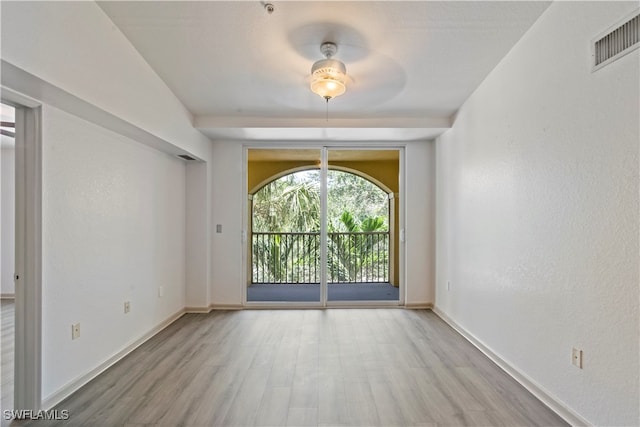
(28, 251)
(323, 149)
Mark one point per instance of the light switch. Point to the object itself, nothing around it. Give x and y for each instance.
(576, 357)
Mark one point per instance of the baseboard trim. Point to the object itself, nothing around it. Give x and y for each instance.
(67, 390)
(419, 305)
(555, 404)
(7, 296)
(203, 310)
(226, 307)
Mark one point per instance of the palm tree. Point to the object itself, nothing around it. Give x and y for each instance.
(352, 254)
(287, 205)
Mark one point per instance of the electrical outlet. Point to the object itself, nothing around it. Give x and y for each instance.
(160, 291)
(127, 307)
(75, 331)
(576, 357)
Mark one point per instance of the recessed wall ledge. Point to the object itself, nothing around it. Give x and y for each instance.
(27, 85)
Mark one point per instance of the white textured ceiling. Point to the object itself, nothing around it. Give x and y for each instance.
(244, 74)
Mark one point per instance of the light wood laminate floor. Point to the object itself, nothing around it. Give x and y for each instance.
(355, 367)
(7, 319)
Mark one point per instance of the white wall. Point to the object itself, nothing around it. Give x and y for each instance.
(8, 220)
(537, 214)
(227, 263)
(198, 237)
(420, 223)
(113, 231)
(227, 286)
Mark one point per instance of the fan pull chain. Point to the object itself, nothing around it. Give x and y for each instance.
(327, 113)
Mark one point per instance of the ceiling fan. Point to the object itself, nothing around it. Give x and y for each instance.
(333, 60)
(328, 76)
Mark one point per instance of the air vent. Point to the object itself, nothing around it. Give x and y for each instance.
(186, 157)
(621, 39)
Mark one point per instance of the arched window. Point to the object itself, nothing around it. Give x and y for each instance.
(286, 229)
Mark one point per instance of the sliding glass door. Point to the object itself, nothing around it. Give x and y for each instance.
(323, 226)
(361, 225)
(285, 222)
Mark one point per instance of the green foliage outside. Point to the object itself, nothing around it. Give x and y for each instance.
(291, 204)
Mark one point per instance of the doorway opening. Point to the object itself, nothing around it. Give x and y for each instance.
(22, 275)
(322, 236)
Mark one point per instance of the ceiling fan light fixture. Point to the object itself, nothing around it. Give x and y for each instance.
(328, 76)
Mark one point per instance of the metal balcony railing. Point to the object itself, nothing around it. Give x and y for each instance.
(291, 258)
